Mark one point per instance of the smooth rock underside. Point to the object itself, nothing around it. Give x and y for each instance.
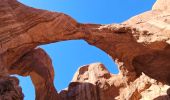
(140, 46)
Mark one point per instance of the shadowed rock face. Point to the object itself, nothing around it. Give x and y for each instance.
(139, 45)
(10, 89)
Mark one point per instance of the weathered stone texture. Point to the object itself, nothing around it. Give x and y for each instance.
(95, 82)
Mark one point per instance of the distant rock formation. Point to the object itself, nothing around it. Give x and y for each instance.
(140, 47)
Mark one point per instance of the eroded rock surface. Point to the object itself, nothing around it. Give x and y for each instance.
(10, 89)
(95, 82)
(91, 82)
(139, 45)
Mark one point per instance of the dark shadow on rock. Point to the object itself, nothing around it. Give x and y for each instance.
(164, 97)
(88, 91)
(10, 89)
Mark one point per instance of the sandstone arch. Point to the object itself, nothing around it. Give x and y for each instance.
(23, 28)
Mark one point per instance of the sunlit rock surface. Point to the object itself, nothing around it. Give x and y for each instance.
(95, 82)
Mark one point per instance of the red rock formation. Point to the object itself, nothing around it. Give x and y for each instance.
(37, 64)
(10, 89)
(95, 82)
(139, 45)
(91, 83)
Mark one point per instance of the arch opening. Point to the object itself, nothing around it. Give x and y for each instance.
(68, 56)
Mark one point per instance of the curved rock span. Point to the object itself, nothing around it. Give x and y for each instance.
(140, 46)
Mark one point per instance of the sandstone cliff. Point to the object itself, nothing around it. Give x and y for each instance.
(140, 47)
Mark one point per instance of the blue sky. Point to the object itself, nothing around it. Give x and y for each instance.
(67, 56)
